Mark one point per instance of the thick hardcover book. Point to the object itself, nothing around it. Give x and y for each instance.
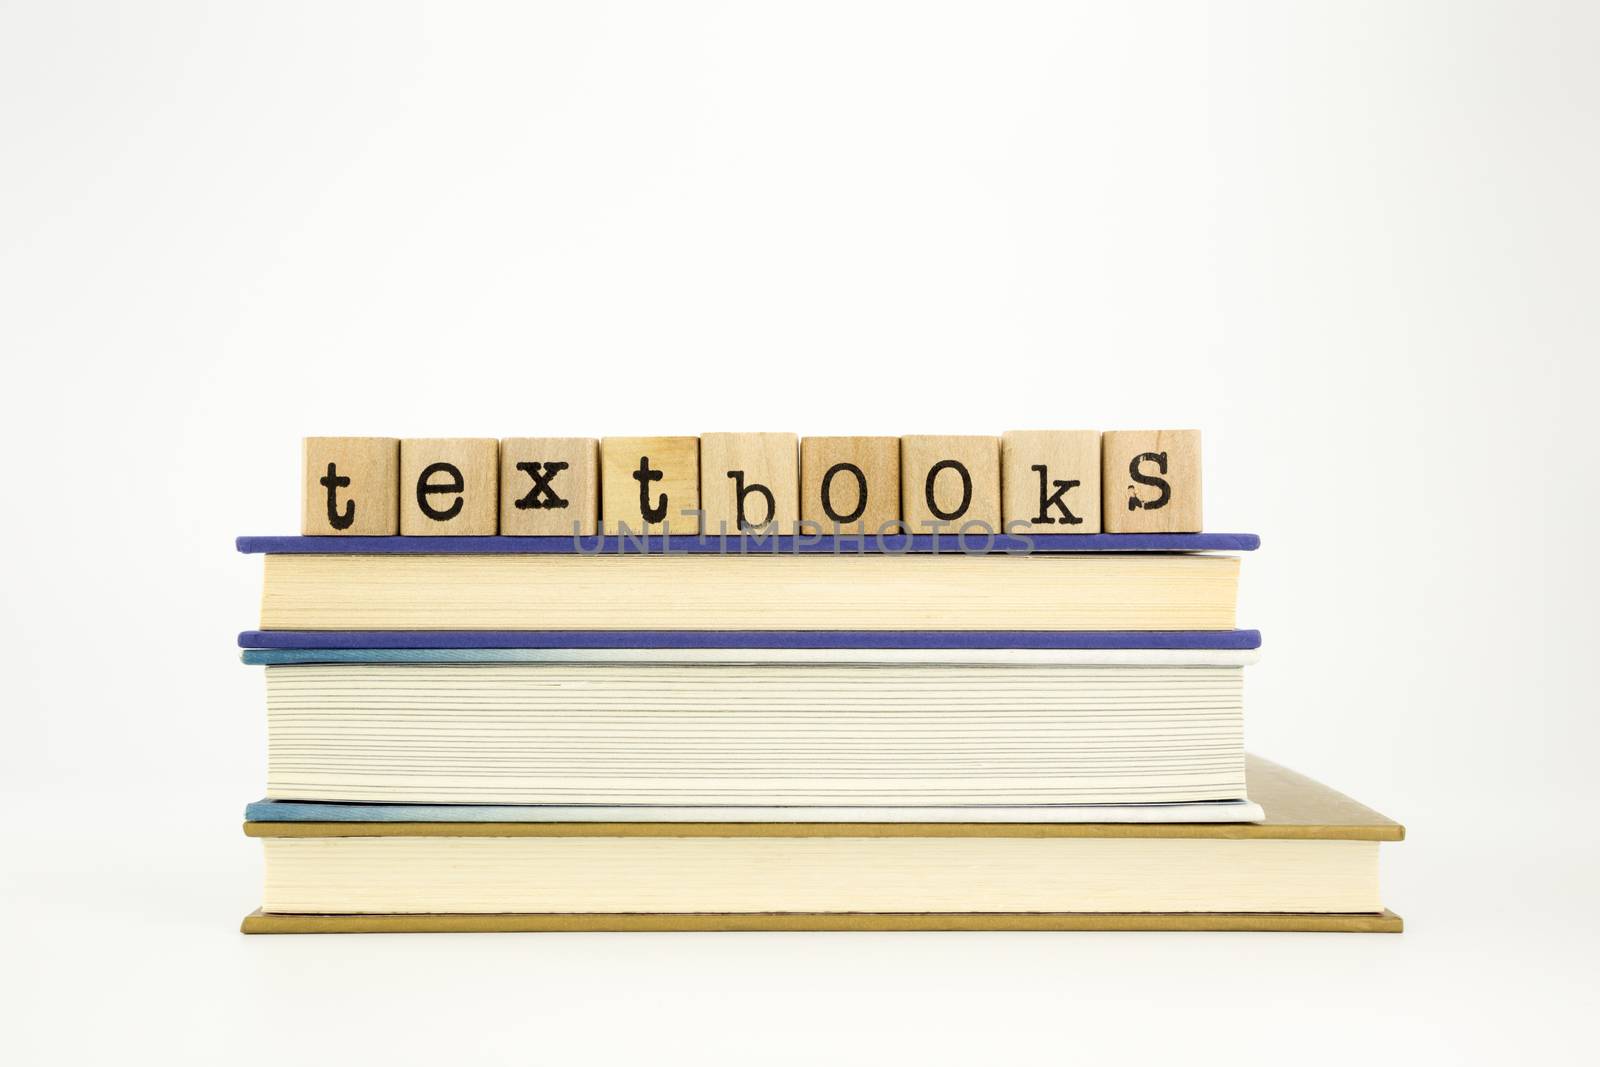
(1312, 864)
(300, 643)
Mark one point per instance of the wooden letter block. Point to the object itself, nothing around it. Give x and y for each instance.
(549, 486)
(750, 482)
(1152, 481)
(647, 483)
(449, 485)
(1050, 481)
(952, 480)
(352, 486)
(850, 482)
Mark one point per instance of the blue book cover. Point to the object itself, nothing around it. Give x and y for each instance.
(302, 641)
(786, 544)
(1208, 811)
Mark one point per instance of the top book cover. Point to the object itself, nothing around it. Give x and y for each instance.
(749, 544)
(1067, 486)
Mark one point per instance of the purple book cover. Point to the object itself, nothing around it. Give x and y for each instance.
(754, 639)
(787, 544)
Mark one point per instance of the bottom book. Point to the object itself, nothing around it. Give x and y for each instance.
(1310, 864)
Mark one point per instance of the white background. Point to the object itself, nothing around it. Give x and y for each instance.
(1355, 243)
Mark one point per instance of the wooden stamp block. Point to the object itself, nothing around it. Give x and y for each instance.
(1050, 481)
(951, 480)
(647, 483)
(1152, 481)
(549, 486)
(851, 482)
(352, 486)
(449, 485)
(750, 482)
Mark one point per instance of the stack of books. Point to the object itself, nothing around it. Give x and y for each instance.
(739, 732)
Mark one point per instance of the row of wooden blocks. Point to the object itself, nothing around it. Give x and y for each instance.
(1040, 481)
